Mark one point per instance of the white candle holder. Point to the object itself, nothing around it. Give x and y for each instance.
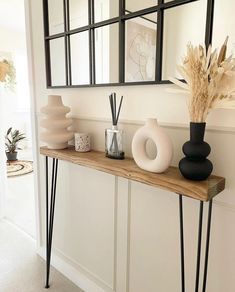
(82, 142)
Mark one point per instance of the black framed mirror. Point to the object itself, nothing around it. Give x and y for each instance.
(120, 42)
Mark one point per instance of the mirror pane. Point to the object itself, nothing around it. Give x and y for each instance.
(135, 5)
(182, 24)
(106, 9)
(78, 13)
(56, 16)
(79, 44)
(57, 55)
(107, 54)
(224, 25)
(140, 50)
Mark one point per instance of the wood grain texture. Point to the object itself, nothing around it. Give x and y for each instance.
(171, 180)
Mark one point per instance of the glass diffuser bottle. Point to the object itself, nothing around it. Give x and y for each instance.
(114, 136)
(114, 143)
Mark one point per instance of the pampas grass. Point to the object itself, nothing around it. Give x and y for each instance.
(210, 80)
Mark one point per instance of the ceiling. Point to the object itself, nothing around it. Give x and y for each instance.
(12, 15)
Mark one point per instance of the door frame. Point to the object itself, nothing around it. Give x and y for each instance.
(33, 113)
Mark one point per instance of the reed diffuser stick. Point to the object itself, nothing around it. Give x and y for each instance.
(113, 106)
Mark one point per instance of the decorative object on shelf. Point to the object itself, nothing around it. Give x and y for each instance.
(163, 143)
(114, 136)
(82, 142)
(12, 140)
(194, 165)
(19, 167)
(56, 123)
(7, 74)
(210, 83)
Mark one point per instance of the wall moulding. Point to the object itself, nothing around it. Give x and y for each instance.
(229, 130)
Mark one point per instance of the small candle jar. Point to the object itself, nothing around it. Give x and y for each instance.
(114, 143)
(82, 142)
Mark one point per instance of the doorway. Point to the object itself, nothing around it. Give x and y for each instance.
(17, 177)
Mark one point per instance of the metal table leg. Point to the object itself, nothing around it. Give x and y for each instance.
(199, 245)
(207, 246)
(50, 214)
(182, 242)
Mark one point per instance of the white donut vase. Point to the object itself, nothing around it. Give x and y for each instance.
(163, 144)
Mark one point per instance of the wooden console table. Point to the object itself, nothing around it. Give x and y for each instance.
(171, 180)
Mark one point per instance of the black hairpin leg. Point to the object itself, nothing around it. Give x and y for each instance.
(182, 243)
(199, 246)
(207, 245)
(50, 214)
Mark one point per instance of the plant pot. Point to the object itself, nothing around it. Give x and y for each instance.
(11, 156)
(195, 165)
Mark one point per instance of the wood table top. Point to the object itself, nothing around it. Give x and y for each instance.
(171, 180)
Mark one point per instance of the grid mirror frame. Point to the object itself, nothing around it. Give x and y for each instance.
(121, 20)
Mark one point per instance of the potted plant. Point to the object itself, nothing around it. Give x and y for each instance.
(12, 139)
(209, 84)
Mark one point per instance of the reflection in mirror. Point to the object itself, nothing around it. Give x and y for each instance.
(107, 54)
(79, 44)
(182, 24)
(57, 53)
(135, 5)
(140, 50)
(224, 25)
(78, 13)
(56, 16)
(106, 9)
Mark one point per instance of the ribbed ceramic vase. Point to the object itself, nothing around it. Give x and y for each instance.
(163, 144)
(56, 124)
(195, 165)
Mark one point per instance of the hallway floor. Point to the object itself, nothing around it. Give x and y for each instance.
(21, 270)
(20, 206)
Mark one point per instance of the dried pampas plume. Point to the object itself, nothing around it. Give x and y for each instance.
(210, 80)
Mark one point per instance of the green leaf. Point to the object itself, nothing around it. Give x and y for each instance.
(14, 139)
(9, 131)
(9, 141)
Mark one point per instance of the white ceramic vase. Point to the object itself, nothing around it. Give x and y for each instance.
(56, 124)
(163, 143)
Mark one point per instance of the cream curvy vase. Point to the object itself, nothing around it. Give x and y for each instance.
(163, 143)
(55, 123)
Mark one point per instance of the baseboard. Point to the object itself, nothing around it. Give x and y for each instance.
(71, 273)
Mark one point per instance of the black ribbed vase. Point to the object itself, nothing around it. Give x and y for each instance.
(195, 165)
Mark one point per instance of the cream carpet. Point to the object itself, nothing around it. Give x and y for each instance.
(21, 270)
(20, 205)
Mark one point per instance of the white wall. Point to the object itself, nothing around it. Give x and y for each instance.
(16, 106)
(124, 236)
